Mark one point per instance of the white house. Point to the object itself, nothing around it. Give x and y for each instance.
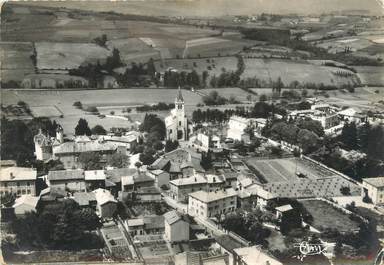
(374, 188)
(106, 203)
(209, 204)
(236, 128)
(18, 180)
(24, 204)
(176, 227)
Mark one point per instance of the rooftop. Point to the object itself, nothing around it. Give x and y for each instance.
(228, 243)
(94, 175)
(116, 174)
(376, 182)
(172, 217)
(26, 199)
(197, 179)
(103, 196)
(135, 222)
(70, 174)
(83, 198)
(80, 147)
(254, 255)
(284, 208)
(206, 197)
(17, 173)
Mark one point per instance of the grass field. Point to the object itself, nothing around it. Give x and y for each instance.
(116, 100)
(279, 170)
(326, 216)
(15, 60)
(268, 70)
(68, 55)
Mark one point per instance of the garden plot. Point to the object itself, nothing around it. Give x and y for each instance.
(68, 55)
(326, 216)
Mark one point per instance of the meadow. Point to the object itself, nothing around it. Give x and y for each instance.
(107, 100)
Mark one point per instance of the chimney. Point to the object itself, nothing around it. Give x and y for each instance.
(214, 179)
(11, 175)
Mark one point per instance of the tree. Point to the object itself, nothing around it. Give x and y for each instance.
(290, 220)
(82, 128)
(146, 158)
(90, 160)
(263, 98)
(307, 140)
(345, 191)
(349, 135)
(101, 41)
(98, 130)
(171, 145)
(138, 164)
(206, 160)
(88, 219)
(118, 160)
(78, 104)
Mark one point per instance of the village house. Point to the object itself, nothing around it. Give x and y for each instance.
(146, 225)
(161, 177)
(180, 188)
(179, 163)
(113, 181)
(374, 189)
(262, 196)
(18, 180)
(94, 179)
(237, 128)
(68, 152)
(225, 244)
(211, 204)
(203, 142)
(85, 199)
(136, 181)
(282, 210)
(25, 203)
(106, 203)
(44, 143)
(176, 227)
(68, 180)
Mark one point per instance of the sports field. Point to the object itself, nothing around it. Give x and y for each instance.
(280, 170)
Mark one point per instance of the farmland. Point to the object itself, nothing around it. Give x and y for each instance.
(63, 101)
(326, 216)
(15, 60)
(52, 55)
(268, 70)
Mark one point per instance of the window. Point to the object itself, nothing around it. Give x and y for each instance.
(23, 192)
(179, 123)
(5, 184)
(18, 192)
(28, 191)
(28, 184)
(18, 184)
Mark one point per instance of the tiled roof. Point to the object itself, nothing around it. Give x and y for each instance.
(103, 196)
(206, 197)
(80, 147)
(94, 175)
(172, 217)
(17, 173)
(115, 175)
(284, 208)
(26, 199)
(228, 243)
(83, 198)
(154, 221)
(376, 182)
(197, 179)
(70, 174)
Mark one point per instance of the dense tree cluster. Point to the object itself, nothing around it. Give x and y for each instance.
(118, 160)
(99, 130)
(248, 226)
(157, 107)
(176, 79)
(63, 225)
(214, 99)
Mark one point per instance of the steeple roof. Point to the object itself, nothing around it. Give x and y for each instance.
(179, 96)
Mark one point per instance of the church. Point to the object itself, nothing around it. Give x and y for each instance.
(176, 122)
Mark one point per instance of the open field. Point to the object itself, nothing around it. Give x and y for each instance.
(46, 111)
(277, 170)
(68, 55)
(326, 216)
(268, 70)
(116, 99)
(15, 60)
(371, 75)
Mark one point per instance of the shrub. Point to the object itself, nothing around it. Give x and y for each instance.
(92, 109)
(112, 112)
(78, 105)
